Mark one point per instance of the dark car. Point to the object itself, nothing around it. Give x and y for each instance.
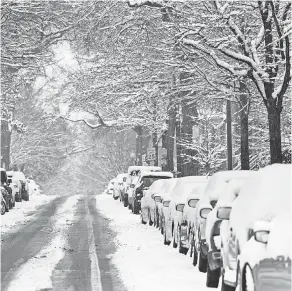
(7, 188)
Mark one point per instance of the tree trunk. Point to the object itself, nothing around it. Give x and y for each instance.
(178, 144)
(170, 137)
(274, 117)
(139, 145)
(189, 166)
(229, 135)
(5, 144)
(155, 145)
(244, 145)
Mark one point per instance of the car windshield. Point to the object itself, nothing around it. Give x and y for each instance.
(148, 181)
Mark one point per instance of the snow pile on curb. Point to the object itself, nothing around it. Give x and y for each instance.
(143, 261)
(23, 212)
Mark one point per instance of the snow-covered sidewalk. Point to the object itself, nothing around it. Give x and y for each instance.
(142, 259)
(22, 213)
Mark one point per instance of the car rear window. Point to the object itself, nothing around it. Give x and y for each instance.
(148, 181)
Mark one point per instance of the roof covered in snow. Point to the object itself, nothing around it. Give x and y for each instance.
(143, 168)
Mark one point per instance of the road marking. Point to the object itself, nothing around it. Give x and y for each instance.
(95, 277)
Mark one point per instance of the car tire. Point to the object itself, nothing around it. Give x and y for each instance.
(247, 279)
(166, 242)
(10, 204)
(3, 208)
(174, 243)
(125, 203)
(203, 262)
(150, 220)
(181, 249)
(195, 256)
(225, 287)
(27, 199)
(142, 220)
(14, 203)
(212, 277)
(116, 198)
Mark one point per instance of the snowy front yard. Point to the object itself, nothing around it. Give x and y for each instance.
(22, 213)
(142, 259)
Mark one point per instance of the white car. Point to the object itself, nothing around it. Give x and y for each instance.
(148, 201)
(216, 184)
(33, 188)
(110, 187)
(264, 198)
(186, 229)
(118, 186)
(183, 188)
(19, 178)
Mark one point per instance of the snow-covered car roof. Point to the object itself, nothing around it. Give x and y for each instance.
(197, 192)
(262, 197)
(186, 185)
(120, 177)
(168, 186)
(156, 187)
(144, 168)
(157, 174)
(217, 183)
(16, 175)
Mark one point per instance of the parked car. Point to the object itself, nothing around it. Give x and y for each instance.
(33, 188)
(110, 187)
(133, 172)
(148, 201)
(207, 202)
(145, 180)
(4, 201)
(163, 206)
(119, 186)
(20, 177)
(5, 184)
(255, 245)
(183, 188)
(186, 230)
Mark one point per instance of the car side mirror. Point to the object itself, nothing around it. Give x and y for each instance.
(223, 213)
(205, 210)
(261, 231)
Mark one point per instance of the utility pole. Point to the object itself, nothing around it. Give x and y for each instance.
(229, 135)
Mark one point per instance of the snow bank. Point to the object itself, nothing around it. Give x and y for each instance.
(23, 212)
(44, 263)
(143, 261)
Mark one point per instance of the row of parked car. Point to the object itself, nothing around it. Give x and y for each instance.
(235, 225)
(15, 187)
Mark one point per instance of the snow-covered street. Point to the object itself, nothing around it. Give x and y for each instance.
(143, 261)
(22, 213)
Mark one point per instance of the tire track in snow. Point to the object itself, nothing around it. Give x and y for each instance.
(36, 273)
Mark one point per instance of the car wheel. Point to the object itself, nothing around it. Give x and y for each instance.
(14, 203)
(125, 203)
(174, 243)
(27, 198)
(212, 277)
(202, 263)
(225, 287)
(182, 250)
(166, 242)
(3, 208)
(150, 220)
(10, 204)
(142, 220)
(248, 280)
(195, 256)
